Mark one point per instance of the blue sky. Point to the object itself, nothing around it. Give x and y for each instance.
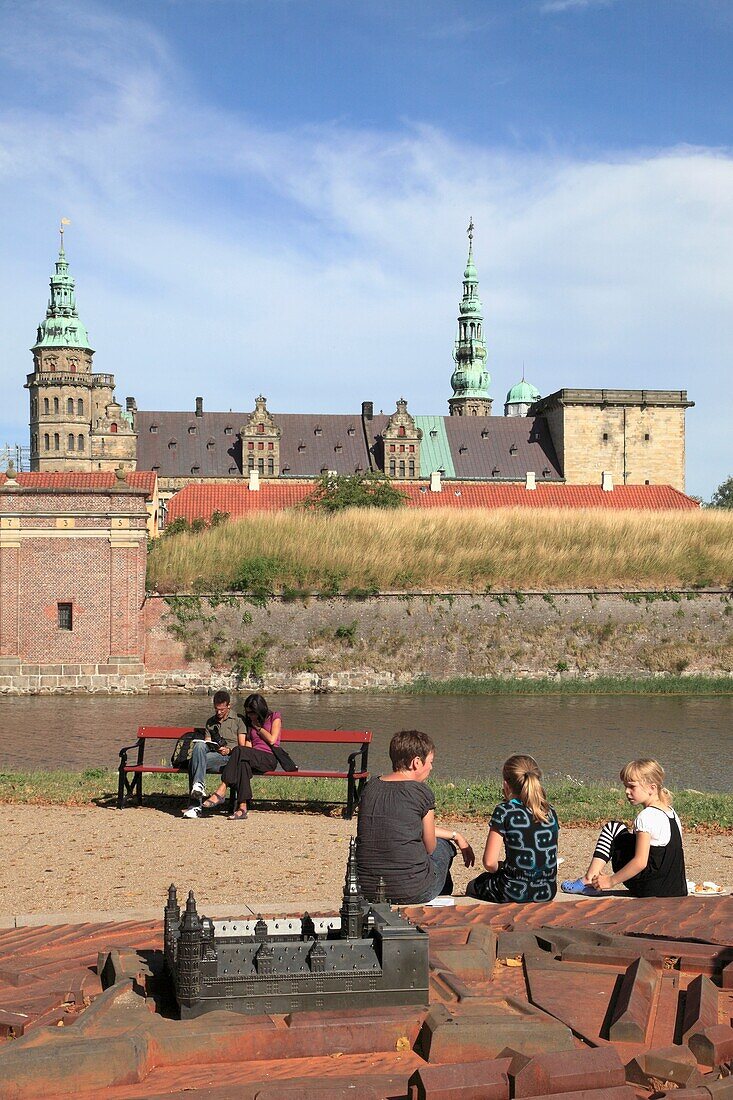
(272, 195)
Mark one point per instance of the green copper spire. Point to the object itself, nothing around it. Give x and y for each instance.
(62, 327)
(470, 378)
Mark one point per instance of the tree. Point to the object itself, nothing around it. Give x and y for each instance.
(723, 495)
(334, 492)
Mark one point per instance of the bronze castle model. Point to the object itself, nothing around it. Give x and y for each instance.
(370, 955)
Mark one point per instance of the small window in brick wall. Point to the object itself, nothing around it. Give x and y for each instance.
(66, 616)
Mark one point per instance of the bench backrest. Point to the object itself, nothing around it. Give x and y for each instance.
(316, 737)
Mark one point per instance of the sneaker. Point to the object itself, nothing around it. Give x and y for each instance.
(193, 811)
(577, 886)
(199, 788)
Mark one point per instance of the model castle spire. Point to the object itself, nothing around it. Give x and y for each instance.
(470, 379)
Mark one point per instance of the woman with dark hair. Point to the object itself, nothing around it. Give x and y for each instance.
(251, 756)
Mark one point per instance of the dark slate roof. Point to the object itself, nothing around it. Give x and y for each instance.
(180, 444)
(510, 444)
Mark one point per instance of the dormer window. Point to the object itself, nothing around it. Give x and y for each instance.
(260, 429)
(495, 472)
(210, 444)
(338, 448)
(401, 430)
(546, 472)
(513, 449)
(192, 429)
(318, 431)
(286, 469)
(172, 444)
(232, 469)
(301, 446)
(351, 431)
(228, 430)
(484, 433)
(324, 469)
(462, 449)
(358, 469)
(195, 469)
(153, 429)
(155, 469)
(433, 433)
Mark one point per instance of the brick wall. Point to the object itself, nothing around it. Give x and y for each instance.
(82, 547)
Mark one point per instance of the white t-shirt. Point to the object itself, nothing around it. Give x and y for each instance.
(655, 822)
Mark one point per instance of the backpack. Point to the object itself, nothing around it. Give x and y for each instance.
(184, 747)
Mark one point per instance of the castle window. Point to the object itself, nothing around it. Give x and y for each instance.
(546, 472)
(55, 404)
(260, 446)
(463, 448)
(80, 407)
(70, 406)
(65, 612)
(402, 448)
(495, 472)
(113, 428)
(228, 430)
(433, 433)
(70, 442)
(402, 467)
(647, 481)
(46, 442)
(358, 469)
(46, 408)
(392, 467)
(250, 462)
(392, 447)
(317, 430)
(271, 446)
(56, 441)
(286, 469)
(172, 444)
(195, 469)
(339, 448)
(484, 433)
(210, 444)
(260, 429)
(271, 466)
(232, 469)
(646, 437)
(401, 430)
(513, 449)
(411, 468)
(412, 448)
(192, 429)
(351, 431)
(250, 446)
(301, 446)
(153, 429)
(80, 443)
(605, 437)
(261, 465)
(155, 468)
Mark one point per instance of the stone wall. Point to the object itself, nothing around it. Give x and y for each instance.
(391, 640)
(636, 445)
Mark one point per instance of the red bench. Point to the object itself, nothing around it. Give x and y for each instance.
(355, 774)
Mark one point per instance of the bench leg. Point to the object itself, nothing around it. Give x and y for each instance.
(120, 789)
(139, 788)
(350, 798)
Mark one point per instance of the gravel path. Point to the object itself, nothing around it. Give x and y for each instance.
(88, 859)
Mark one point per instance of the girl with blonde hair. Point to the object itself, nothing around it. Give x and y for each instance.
(526, 825)
(647, 859)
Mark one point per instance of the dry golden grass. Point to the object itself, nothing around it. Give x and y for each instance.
(445, 550)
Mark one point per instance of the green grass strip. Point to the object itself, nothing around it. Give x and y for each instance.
(600, 685)
(576, 802)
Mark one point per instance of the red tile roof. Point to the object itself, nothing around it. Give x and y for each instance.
(199, 501)
(102, 479)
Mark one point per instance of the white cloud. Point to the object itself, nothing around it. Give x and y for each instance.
(322, 266)
(553, 6)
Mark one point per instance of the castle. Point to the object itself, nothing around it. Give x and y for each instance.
(571, 436)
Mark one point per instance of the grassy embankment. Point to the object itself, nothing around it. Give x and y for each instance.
(362, 552)
(576, 802)
(600, 685)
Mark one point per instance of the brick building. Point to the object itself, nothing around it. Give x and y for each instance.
(72, 586)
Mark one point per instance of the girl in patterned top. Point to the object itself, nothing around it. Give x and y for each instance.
(526, 825)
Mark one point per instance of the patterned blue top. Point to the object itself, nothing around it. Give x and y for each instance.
(529, 872)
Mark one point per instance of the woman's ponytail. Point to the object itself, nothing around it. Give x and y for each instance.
(524, 779)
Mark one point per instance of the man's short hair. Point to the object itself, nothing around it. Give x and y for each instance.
(222, 697)
(408, 744)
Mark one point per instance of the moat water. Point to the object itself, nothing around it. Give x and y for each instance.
(587, 737)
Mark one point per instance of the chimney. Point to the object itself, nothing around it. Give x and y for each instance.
(254, 481)
(435, 486)
(607, 482)
(531, 480)
(367, 410)
(199, 406)
(131, 404)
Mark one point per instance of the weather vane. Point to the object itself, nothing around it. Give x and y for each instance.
(64, 222)
(470, 229)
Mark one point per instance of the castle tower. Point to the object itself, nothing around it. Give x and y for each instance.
(261, 442)
(189, 952)
(75, 422)
(352, 913)
(520, 397)
(470, 379)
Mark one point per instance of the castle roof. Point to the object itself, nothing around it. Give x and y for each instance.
(136, 479)
(523, 392)
(202, 500)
